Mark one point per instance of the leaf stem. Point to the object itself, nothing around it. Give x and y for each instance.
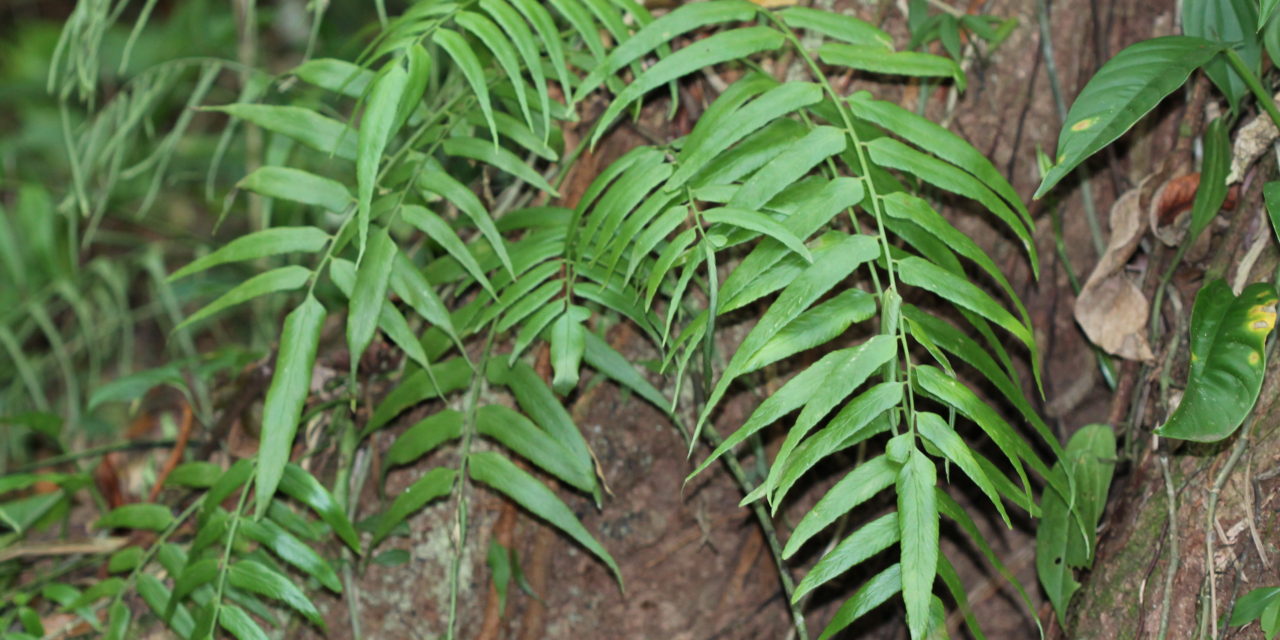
(1265, 100)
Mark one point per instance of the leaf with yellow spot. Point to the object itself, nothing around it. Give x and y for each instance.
(1228, 336)
(1124, 90)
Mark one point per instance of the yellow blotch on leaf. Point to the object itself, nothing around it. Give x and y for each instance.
(1084, 124)
(1262, 317)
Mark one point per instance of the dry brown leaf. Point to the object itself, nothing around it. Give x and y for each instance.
(1111, 308)
(1113, 313)
(1167, 215)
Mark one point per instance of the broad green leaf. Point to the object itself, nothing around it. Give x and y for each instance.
(1231, 23)
(297, 185)
(568, 341)
(290, 384)
(456, 46)
(1124, 90)
(1212, 190)
(1250, 606)
(1228, 359)
(499, 560)
(710, 51)
(424, 436)
(1053, 533)
(871, 594)
(876, 59)
(1066, 531)
(259, 244)
(760, 223)
(933, 428)
(836, 26)
(433, 484)
(303, 487)
(1265, 9)
(304, 125)
(867, 541)
(520, 435)
(376, 128)
(527, 491)
(280, 279)
(144, 515)
(370, 293)
(257, 578)
(293, 551)
(858, 486)
(918, 531)
(498, 157)
(664, 30)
